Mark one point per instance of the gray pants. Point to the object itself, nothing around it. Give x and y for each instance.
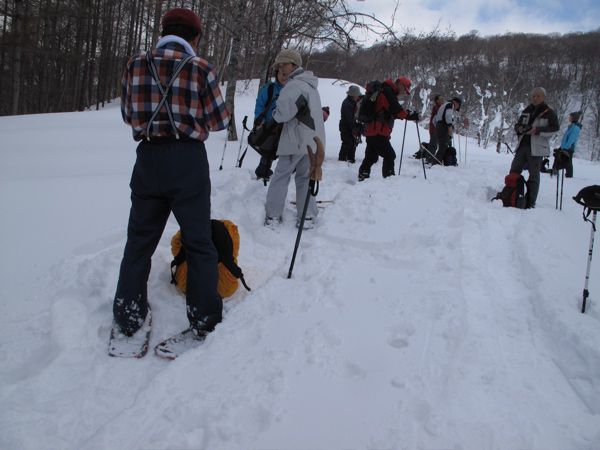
(523, 156)
(278, 187)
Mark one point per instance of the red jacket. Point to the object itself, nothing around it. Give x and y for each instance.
(434, 111)
(387, 109)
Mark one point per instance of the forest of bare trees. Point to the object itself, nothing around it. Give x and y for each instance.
(494, 75)
(68, 55)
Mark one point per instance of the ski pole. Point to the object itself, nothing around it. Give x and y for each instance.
(244, 129)
(459, 150)
(421, 149)
(316, 160)
(557, 178)
(313, 189)
(562, 183)
(466, 143)
(225, 145)
(402, 151)
(241, 160)
(586, 293)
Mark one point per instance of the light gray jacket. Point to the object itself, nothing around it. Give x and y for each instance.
(540, 144)
(299, 109)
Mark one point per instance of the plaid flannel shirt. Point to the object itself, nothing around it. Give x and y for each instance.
(195, 97)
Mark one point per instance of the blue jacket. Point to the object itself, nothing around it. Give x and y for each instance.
(570, 138)
(262, 99)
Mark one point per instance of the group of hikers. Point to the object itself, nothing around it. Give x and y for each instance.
(171, 99)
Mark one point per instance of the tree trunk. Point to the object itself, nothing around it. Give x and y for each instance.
(17, 54)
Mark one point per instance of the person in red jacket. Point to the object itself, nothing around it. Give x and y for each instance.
(379, 130)
(438, 101)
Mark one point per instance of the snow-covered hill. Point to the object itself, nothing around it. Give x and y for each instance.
(419, 316)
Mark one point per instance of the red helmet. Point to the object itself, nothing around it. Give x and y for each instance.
(405, 82)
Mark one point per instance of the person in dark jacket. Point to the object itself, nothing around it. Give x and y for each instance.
(536, 125)
(570, 139)
(263, 113)
(444, 127)
(348, 125)
(379, 131)
(171, 172)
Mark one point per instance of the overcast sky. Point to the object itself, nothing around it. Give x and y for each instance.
(487, 17)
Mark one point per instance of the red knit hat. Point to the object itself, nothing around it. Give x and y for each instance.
(405, 82)
(182, 16)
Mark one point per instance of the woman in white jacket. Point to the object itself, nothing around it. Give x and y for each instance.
(299, 109)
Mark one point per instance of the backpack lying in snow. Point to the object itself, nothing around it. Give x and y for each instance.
(513, 193)
(545, 167)
(226, 239)
(421, 153)
(450, 157)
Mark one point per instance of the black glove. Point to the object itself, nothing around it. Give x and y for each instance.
(412, 116)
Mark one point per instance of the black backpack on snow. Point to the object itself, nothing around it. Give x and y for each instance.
(421, 153)
(366, 112)
(513, 194)
(450, 157)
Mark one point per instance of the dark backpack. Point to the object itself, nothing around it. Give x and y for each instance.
(561, 159)
(545, 168)
(513, 194)
(366, 112)
(422, 152)
(589, 198)
(264, 136)
(450, 157)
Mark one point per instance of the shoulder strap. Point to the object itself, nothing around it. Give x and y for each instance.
(449, 105)
(544, 112)
(164, 90)
(224, 246)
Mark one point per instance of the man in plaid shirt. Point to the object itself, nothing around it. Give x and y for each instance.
(171, 174)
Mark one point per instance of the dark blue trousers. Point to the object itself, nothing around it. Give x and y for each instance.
(169, 177)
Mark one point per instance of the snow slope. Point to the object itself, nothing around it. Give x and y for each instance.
(419, 316)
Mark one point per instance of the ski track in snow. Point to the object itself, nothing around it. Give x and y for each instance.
(419, 316)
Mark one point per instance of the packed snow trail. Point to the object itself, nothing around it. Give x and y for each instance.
(420, 315)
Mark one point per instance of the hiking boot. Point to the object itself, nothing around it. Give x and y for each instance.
(205, 325)
(309, 223)
(272, 222)
(363, 176)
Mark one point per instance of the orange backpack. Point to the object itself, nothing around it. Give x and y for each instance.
(226, 239)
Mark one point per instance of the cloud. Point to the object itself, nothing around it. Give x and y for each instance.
(488, 17)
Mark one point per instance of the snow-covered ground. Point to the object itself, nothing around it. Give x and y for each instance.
(419, 315)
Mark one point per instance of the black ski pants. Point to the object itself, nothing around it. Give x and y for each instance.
(348, 148)
(263, 170)
(378, 146)
(569, 167)
(169, 177)
(443, 141)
